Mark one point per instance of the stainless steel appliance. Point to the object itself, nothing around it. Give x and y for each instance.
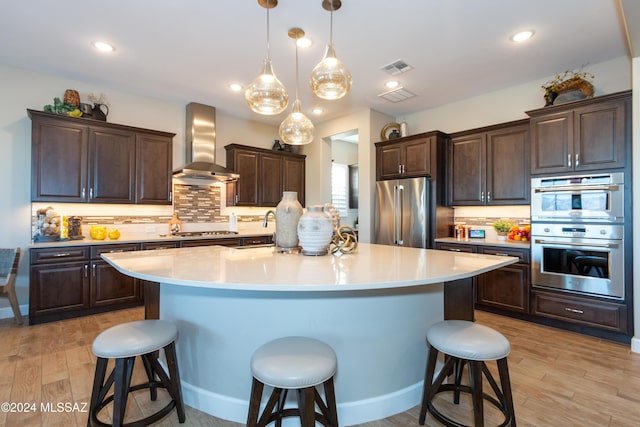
(401, 215)
(584, 198)
(577, 234)
(579, 257)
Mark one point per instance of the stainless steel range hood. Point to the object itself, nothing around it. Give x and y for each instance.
(200, 135)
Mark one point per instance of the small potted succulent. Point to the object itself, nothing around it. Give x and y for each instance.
(502, 227)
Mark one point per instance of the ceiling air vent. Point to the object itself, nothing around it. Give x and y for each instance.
(397, 67)
(397, 95)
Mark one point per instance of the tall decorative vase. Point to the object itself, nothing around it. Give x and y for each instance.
(288, 213)
(315, 230)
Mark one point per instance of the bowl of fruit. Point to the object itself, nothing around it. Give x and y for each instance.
(520, 233)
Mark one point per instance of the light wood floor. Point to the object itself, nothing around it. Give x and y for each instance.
(558, 378)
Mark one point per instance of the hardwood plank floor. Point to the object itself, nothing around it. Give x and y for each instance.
(558, 378)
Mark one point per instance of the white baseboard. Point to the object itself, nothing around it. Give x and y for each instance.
(349, 413)
(635, 345)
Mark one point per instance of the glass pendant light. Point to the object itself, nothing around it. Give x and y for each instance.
(266, 95)
(296, 129)
(330, 79)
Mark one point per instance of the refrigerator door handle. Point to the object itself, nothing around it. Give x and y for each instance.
(399, 216)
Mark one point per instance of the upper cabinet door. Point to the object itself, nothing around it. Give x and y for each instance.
(271, 182)
(600, 135)
(112, 166)
(508, 180)
(154, 160)
(58, 161)
(246, 163)
(468, 170)
(552, 143)
(293, 177)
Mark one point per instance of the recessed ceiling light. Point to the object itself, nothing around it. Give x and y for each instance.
(392, 84)
(103, 46)
(304, 42)
(236, 87)
(317, 111)
(522, 36)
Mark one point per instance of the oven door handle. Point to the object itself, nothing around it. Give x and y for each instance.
(576, 188)
(591, 245)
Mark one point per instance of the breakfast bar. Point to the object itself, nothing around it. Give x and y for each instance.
(373, 306)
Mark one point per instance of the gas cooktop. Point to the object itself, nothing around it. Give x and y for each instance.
(204, 233)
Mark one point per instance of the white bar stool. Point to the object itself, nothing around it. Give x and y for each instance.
(123, 343)
(463, 342)
(294, 363)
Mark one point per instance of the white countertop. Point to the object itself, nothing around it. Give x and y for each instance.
(369, 267)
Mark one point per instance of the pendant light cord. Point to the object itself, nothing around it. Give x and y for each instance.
(331, 25)
(268, 39)
(297, 73)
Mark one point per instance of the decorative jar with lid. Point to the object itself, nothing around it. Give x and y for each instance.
(315, 230)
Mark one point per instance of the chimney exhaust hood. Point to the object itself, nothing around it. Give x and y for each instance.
(200, 144)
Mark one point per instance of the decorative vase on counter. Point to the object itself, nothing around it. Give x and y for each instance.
(288, 213)
(315, 230)
(502, 235)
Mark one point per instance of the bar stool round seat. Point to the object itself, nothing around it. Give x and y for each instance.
(124, 343)
(472, 344)
(294, 363)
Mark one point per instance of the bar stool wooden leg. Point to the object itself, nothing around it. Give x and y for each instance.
(428, 381)
(330, 396)
(174, 383)
(306, 405)
(505, 382)
(475, 378)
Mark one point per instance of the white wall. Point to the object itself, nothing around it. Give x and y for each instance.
(511, 103)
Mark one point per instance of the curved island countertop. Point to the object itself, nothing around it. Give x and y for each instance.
(372, 306)
(260, 269)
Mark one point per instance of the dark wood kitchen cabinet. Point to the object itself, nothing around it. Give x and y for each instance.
(264, 175)
(506, 288)
(79, 160)
(581, 136)
(404, 158)
(490, 166)
(73, 281)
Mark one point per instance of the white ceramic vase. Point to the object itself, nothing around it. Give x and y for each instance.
(315, 230)
(288, 213)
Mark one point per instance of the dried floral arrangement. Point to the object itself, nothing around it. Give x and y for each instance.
(570, 80)
(100, 99)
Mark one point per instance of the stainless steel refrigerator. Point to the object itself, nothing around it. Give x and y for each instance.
(401, 215)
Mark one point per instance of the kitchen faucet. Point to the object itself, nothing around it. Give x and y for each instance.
(266, 217)
(264, 223)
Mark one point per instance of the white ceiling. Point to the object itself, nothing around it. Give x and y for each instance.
(190, 50)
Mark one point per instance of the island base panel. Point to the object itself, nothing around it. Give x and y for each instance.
(378, 336)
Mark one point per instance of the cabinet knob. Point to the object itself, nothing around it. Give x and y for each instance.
(482, 196)
(577, 160)
(91, 193)
(83, 193)
(568, 160)
(488, 196)
(171, 196)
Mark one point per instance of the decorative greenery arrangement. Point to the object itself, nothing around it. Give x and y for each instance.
(60, 107)
(502, 226)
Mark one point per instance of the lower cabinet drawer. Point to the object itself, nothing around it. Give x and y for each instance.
(575, 309)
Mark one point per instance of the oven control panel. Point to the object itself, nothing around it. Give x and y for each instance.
(592, 231)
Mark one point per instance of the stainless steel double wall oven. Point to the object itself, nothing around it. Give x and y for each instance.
(577, 234)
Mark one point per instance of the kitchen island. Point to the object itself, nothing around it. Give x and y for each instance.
(372, 306)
